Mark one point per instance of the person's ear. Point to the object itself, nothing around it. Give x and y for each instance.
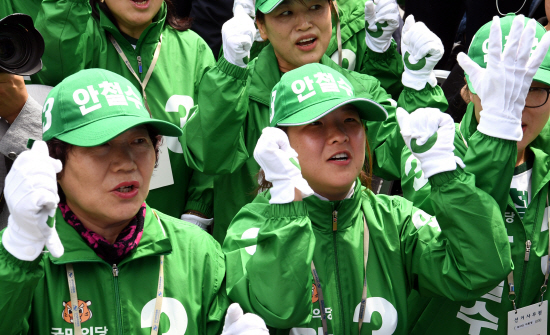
(262, 29)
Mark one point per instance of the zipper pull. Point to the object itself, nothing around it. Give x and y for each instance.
(527, 250)
(140, 67)
(115, 270)
(335, 221)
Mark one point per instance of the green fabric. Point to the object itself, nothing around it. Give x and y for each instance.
(269, 248)
(234, 108)
(32, 293)
(492, 162)
(29, 7)
(75, 40)
(311, 91)
(356, 56)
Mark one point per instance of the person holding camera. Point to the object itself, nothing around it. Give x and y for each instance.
(19, 121)
(148, 45)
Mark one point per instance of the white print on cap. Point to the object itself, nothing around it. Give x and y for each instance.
(485, 47)
(112, 93)
(47, 110)
(325, 82)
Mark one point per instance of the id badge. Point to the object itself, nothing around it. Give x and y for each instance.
(530, 320)
(162, 174)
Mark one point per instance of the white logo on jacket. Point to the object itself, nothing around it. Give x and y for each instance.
(173, 309)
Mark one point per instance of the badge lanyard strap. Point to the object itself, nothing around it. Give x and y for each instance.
(74, 296)
(543, 288)
(149, 72)
(364, 295)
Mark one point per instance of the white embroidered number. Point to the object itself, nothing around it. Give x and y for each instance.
(47, 110)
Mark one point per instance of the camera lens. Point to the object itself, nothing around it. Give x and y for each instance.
(7, 48)
(14, 46)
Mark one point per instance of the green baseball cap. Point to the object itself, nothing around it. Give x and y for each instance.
(312, 91)
(479, 47)
(266, 6)
(93, 106)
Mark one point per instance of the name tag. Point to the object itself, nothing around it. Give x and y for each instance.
(162, 174)
(530, 320)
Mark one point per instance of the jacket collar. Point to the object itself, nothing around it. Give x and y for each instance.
(352, 20)
(151, 34)
(153, 242)
(321, 211)
(267, 74)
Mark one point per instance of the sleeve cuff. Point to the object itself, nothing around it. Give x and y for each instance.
(24, 265)
(232, 69)
(290, 210)
(442, 178)
(384, 56)
(199, 207)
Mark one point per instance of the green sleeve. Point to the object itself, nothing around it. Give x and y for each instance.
(219, 301)
(17, 282)
(69, 33)
(433, 97)
(29, 7)
(463, 251)
(213, 140)
(387, 67)
(284, 246)
(200, 194)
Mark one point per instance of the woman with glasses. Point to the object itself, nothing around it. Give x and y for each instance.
(523, 202)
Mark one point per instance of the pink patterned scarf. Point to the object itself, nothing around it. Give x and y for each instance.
(127, 240)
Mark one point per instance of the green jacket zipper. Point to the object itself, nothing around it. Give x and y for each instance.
(338, 286)
(117, 299)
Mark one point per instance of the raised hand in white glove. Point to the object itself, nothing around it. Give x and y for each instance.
(381, 20)
(31, 196)
(238, 324)
(280, 164)
(504, 84)
(237, 37)
(429, 134)
(247, 5)
(421, 50)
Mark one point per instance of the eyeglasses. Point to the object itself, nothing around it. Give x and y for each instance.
(537, 96)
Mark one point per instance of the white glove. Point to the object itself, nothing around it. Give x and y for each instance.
(421, 50)
(381, 20)
(280, 164)
(504, 84)
(238, 324)
(31, 196)
(237, 37)
(247, 5)
(197, 220)
(435, 153)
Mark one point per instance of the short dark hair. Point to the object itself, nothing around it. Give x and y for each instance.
(60, 150)
(261, 16)
(181, 24)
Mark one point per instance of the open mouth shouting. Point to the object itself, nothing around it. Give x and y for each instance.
(340, 158)
(306, 43)
(126, 190)
(141, 3)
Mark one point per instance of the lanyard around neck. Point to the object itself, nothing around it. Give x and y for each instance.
(74, 296)
(363, 296)
(543, 288)
(129, 66)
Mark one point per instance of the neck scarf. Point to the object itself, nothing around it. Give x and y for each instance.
(127, 240)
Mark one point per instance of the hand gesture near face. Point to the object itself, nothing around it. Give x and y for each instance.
(504, 84)
(237, 37)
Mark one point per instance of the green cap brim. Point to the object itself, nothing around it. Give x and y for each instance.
(369, 110)
(104, 130)
(470, 86)
(542, 76)
(267, 6)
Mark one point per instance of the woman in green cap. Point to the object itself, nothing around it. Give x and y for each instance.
(234, 97)
(113, 264)
(319, 253)
(505, 124)
(147, 44)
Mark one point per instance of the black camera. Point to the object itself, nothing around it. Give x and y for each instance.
(21, 45)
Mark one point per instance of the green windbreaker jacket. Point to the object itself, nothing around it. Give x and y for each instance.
(491, 161)
(75, 41)
(356, 56)
(119, 299)
(234, 107)
(29, 7)
(269, 248)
